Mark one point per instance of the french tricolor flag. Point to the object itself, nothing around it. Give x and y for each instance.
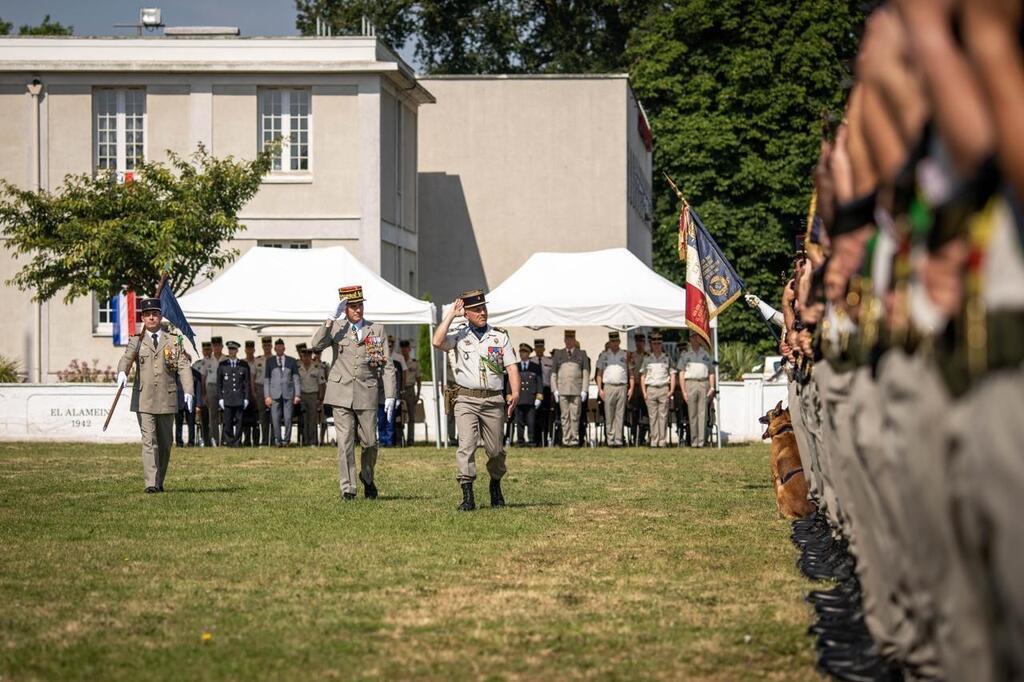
(123, 319)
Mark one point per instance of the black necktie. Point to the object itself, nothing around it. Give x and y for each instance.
(155, 337)
(280, 362)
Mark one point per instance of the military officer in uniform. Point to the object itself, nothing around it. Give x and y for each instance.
(250, 415)
(259, 370)
(543, 417)
(530, 397)
(697, 383)
(637, 404)
(210, 367)
(482, 356)
(615, 387)
(412, 385)
(360, 349)
(311, 381)
(233, 388)
(281, 388)
(161, 357)
(570, 379)
(658, 381)
(204, 411)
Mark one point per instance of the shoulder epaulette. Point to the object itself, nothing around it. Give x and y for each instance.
(500, 329)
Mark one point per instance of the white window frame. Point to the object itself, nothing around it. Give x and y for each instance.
(286, 243)
(100, 328)
(284, 158)
(399, 170)
(120, 130)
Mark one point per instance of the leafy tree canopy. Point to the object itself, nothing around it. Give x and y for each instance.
(95, 235)
(47, 28)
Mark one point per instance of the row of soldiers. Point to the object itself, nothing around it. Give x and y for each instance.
(635, 392)
(904, 334)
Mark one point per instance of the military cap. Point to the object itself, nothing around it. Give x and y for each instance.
(305, 351)
(206, 344)
(148, 304)
(639, 337)
(279, 341)
(570, 333)
(526, 347)
(352, 293)
(391, 339)
(233, 345)
(300, 347)
(266, 339)
(613, 336)
(538, 342)
(250, 344)
(655, 336)
(474, 298)
(217, 339)
(404, 343)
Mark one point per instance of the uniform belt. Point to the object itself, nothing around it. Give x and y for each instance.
(478, 392)
(608, 383)
(686, 378)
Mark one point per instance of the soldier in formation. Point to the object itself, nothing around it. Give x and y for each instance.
(657, 381)
(233, 388)
(614, 387)
(570, 380)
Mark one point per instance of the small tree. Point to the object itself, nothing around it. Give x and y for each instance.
(47, 28)
(95, 235)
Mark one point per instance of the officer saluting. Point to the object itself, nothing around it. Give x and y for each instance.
(481, 355)
(161, 357)
(233, 386)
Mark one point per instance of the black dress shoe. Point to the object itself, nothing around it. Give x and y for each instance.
(497, 499)
(152, 489)
(369, 489)
(348, 496)
(159, 488)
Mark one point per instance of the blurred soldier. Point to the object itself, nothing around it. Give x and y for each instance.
(385, 417)
(483, 355)
(325, 410)
(697, 383)
(543, 416)
(281, 390)
(250, 415)
(637, 405)
(311, 381)
(259, 370)
(615, 387)
(657, 382)
(210, 368)
(204, 412)
(570, 377)
(412, 384)
(360, 348)
(187, 414)
(530, 397)
(160, 358)
(233, 388)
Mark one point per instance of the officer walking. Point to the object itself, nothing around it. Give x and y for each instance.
(233, 388)
(570, 378)
(697, 383)
(614, 387)
(360, 349)
(311, 381)
(482, 355)
(161, 358)
(281, 390)
(658, 381)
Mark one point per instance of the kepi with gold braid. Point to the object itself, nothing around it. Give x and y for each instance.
(351, 294)
(474, 298)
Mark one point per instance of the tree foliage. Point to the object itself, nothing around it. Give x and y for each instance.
(95, 235)
(46, 28)
(5, 27)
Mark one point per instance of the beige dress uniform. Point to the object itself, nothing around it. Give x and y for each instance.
(570, 375)
(479, 368)
(259, 369)
(655, 373)
(410, 377)
(208, 369)
(615, 378)
(695, 375)
(352, 391)
(155, 398)
(310, 380)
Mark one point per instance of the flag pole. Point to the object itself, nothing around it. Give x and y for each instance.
(718, 390)
(120, 389)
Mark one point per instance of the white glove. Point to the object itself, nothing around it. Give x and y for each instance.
(188, 402)
(752, 300)
(221, 403)
(536, 403)
(122, 379)
(245, 403)
(583, 395)
(556, 395)
(340, 310)
(389, 408)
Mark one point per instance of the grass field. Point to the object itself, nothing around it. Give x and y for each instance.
(606, 564)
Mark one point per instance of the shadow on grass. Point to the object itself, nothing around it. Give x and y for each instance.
(203, 491)
(402, 498)
(527, 505)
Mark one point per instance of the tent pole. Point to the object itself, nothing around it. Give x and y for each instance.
(437, 395)
(718, 395)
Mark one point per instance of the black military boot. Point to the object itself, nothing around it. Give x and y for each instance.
(468, 503)
(497, 499)
(369, 489)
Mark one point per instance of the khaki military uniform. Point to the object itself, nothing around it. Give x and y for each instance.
(479, 369)
(695, 378)
(259, 370)
(155, 397)
(410, 378)
(614, 369)
(208, 368)
(570, 376)
(352, 391)
(637, 405)
(656, 374)
(310, 380)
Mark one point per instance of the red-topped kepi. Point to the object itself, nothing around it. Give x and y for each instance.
(352, 294)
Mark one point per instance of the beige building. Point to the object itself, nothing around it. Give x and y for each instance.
(512, 165)
(348, 106)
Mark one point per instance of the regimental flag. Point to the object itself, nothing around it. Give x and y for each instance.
(172, 312)
(712, 284)
(123, 317)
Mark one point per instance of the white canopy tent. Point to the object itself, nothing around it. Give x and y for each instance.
(271, 287)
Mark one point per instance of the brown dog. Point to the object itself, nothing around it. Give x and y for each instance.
(787, 472)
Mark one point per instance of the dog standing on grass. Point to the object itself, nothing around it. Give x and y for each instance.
(787, 472)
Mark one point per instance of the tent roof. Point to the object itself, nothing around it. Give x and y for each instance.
(270, 287)
(611, 288)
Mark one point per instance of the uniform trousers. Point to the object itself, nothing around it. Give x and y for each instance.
(182, 418)
(281, 416)
(347, 422)
(309, 419)
(480, 420)
(570, 408)
(614, 411)
(526, 421)
(815, 409)
(264, 414)
(803, 439)
(232, 425)
(697, 407)
(157, 436)
(409, 401)
(213, 409)
(657, 409)
(542, 432)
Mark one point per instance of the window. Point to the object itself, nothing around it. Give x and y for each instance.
(398, 163)
(284, 114)
(120, 130)
(283, 244)
(102, 315)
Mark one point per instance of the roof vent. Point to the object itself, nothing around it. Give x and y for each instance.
(204, 31)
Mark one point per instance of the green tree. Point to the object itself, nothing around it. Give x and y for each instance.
(393, 19)
(5, 27)
(95, 235)
(47, 28)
